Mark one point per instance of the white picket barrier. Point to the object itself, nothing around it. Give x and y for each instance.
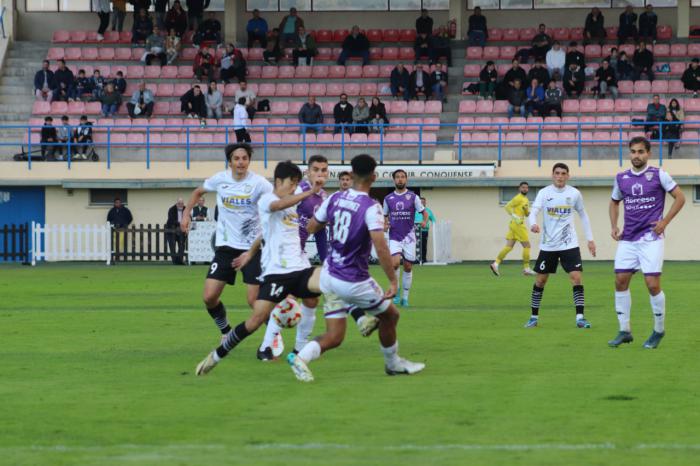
(442, 242)
(53, 243)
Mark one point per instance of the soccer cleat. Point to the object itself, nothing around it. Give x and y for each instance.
(397, 300)
(582, 323)
(204, 367)
(277, 346)
(367, 325)
(654, 340)
(404, 367)
(300, 369)
(622, 337)
(494, 268)
(529, 272)
(404, 302)
(531, 323)
(266, 354)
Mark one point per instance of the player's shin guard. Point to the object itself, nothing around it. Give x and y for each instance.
(502, 255)
(526, 258)
(270, 333)
(406, 281)
(579, 301)
(310, 352)
(234, 337)
(305, 326)
(536, 299)
(218, 313)
(658, 307)
(623, 305)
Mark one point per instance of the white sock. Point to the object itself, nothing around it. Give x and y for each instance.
(658, 307)
(305, 326)
(623, 305)
(398, 278)
(270, 332)
(406, 282)
(311, 351)
(579, 316)
(217, 358)
(391, 354)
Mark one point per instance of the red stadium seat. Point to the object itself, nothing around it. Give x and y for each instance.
(59, 107)
(351, 89)
(551, 123)
(41, 108)
(570, 106)
(513, 137)
(293, 109)
(300, 90)
(89, 53)
(516, 124)
(472, 71)
(319, 72)
(662, 50)
(188, 54)
(105, 53)
(324, 35)
(625, 87)
(317, 89)
(511, 35)
(659, 86)
(484, 106)
(576, 34)
(370, 71)
(692, 105)
(623, 105)
(587, 105)
(407, 35)
(390, 53)
(168, 72)
(628, 49)
(303, 72)
(406, 53)
(165, 90)
(78, 37)
(677, 68)
(500, 106)
(374, 35)
(433, 106)
(72, 53)
(122, 54)
(593, 51)
(55, 53)
(474, 53)
(375, 53)
(285, 72)
(664, 32)
(353, 72)
(694, 49)
(255, 54)
(125, 37)
(339, 35)
(561, 34)
(334, 89)
(534, 122)
(605, 106)
(137, 53)
(642, 87)
(587, 122)
(640, 105)
(679, 50)
(507, 52)
(180, 89)
(61, 36)
(134, 71)
(336, 72)
(151, 72)
(266, 89)
(527, 34)
(611, 32)
(676, 87)
(390, 35)
(269, 72)
(186, 72)
(324, 53)
(398, 107)
(491, 52)
(495, 34)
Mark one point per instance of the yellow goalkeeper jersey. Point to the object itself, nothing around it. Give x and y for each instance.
(519, 206)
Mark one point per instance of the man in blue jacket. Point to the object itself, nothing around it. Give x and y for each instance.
(257, 30)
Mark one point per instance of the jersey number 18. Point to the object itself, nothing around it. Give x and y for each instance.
(341, 226)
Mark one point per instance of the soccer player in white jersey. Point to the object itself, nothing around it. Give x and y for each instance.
(642, 189)
(400, 209)
(285, 268)
(237, 193)
(559, 241)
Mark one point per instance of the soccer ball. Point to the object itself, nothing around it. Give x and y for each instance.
(287, 313)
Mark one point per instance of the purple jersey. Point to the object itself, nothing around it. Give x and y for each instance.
(401, 210)
(351, 215)
(643, 196)
(306, 210)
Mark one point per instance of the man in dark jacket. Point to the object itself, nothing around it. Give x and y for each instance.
(174, 236)
(195, 11)
(691, 77)
(628, 26)
(399, 82)
(643, 61)
(43, 83)
(311, 114)
(606, 80)
(594, 30)
(538, 72)
(161, 8)
(516, 72)
(541, 43)
(478, 32)
(119, 216)
(423, 47)
(63, 82)
(438, 80)
(424, 23)
(200, 212)
(48, 136)
(208, 31)
(441, 45)
(573, 55)
(193, 104)
(420, 84)
(355, 44)
(647, 24)
(142, 28)
(517, 99)
(574, 79)
(342, 113)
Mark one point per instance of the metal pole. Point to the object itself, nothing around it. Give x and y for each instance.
(661, 143)
(187, 147)
(109, 147)
(68, 150)
(539, 145)
(303, 144)
(148, 143)
(619, 152)
(29, 151)
(578, 137)
(500, 148)
(381, 143)
(459, 140)
(265, 146)
(342, 144)
(420, 144)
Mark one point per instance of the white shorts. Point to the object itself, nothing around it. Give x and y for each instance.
(406, 247)
(647, 256)
(342, 297)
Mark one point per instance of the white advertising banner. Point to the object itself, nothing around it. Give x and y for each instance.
(423, 172)
(199, 243)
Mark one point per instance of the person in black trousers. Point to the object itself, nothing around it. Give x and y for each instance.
(174, 236)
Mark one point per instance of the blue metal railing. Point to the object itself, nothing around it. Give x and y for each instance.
(2, 21)
(382, 136)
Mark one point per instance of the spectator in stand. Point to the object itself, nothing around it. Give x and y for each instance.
(110, 100)
(142, 28)
(200, 212)
(355, 44)
(48, 136)
(441, 45)
(176, 19)
(240, 121)
(82, 138)
(311, 116)
(140, 5)
(174, 236)
(208, 32)
(118, 15)
(97, 84)
(574, 55)
(625, 70)
(423, 47)
(647, 24)
(424, 23)
(44, 83)
(535, 98)
(556, 61)
(290, 25)
(155, 48)
(257, 30)
(517, 100)
(272, 52)
(400, 80)
(119, 83)
(161, 9)
(377, 115)
(643, 60)
(438, 79)
(63, 82)
(552, 100)
(613, 58)
(173, 45)
(606, 80)
(342, 114)
(119, 216)
(594, 30)
(204, 64)
(195, 12)
(193, 103)
(419, 84)
(215, 101)
(672, 132)
(304, 46)
(232, 65)
(516, 72)
(101, 7)
(249, 96)
(63, 134)
(81, 86)
(574, 80)
(141, 103)
(478, 32)
(656, 112)
(541, 43)
(690, 78)
(360, 116)
(488, 79)
(628, 26)
(538, 72)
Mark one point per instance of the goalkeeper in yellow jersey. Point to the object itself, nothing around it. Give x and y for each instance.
(518, 208)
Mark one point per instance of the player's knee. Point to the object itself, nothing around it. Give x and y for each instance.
(654, 289)
(333, 340)
(210, 300)
(310, 302)
(407, 266)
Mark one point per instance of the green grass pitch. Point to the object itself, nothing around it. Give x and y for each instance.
(96, 368)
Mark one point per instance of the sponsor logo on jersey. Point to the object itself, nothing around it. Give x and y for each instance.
(236, 202)
(291, 219)
(559, 211)
(399, 205)
(637, 189)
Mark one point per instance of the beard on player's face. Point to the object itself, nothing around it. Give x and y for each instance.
(638, 162)
(400, 185)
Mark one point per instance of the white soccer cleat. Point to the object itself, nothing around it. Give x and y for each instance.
(494, 268)
(204, 367)
(529, 272)
(367, 324)
(300, 369)
(404, 367)
(277, 346)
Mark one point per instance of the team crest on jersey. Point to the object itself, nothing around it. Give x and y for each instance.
(568, 200)
(649, 176)
(247, 188)
(407, 196)
(399, 205)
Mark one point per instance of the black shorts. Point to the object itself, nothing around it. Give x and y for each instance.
(277, 287)
(222, 270)
(570, 260)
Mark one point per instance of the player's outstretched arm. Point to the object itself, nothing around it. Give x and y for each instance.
(678, 203)
(314, 226)
(614, 213)
(379, 242)
(242, 260)
(186, 215)
(289, 201)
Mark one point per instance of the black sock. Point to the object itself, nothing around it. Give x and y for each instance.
(536, 299)
(357, 313)
(233, 339)
(218, 313)
(578, 298)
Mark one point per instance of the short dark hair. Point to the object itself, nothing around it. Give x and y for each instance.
(47, 62)
(64, 118)
(61, 60)
(561, 165)
(640, 140)
(120, 73)
(117, 199)
(489, 63)
(396, 172)
(231, 148)
(83, 117)
(83, 71)
(344, 173)
(287, 169)
(317, 159)
(523, 183)
(363, 165)
(47, 119)
(573, 43)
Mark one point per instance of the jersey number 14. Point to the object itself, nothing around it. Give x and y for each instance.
(341, 226)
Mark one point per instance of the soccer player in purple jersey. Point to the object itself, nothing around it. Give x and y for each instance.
(642, 190)
(356, 223)
(400, 209)
(345, 180)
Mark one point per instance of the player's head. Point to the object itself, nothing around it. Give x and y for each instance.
(424, 201)
(400, 178)
(523, 187)
(238, 157)
(287, 177)
(640, 151)
(318, 168)
(345, 179)
(560, 174)
(363, 166)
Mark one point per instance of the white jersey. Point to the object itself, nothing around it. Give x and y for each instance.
(238, 225)
(558, 206)
(281, 253)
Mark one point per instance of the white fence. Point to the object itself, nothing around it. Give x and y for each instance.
(442, 242)
(54, 243)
